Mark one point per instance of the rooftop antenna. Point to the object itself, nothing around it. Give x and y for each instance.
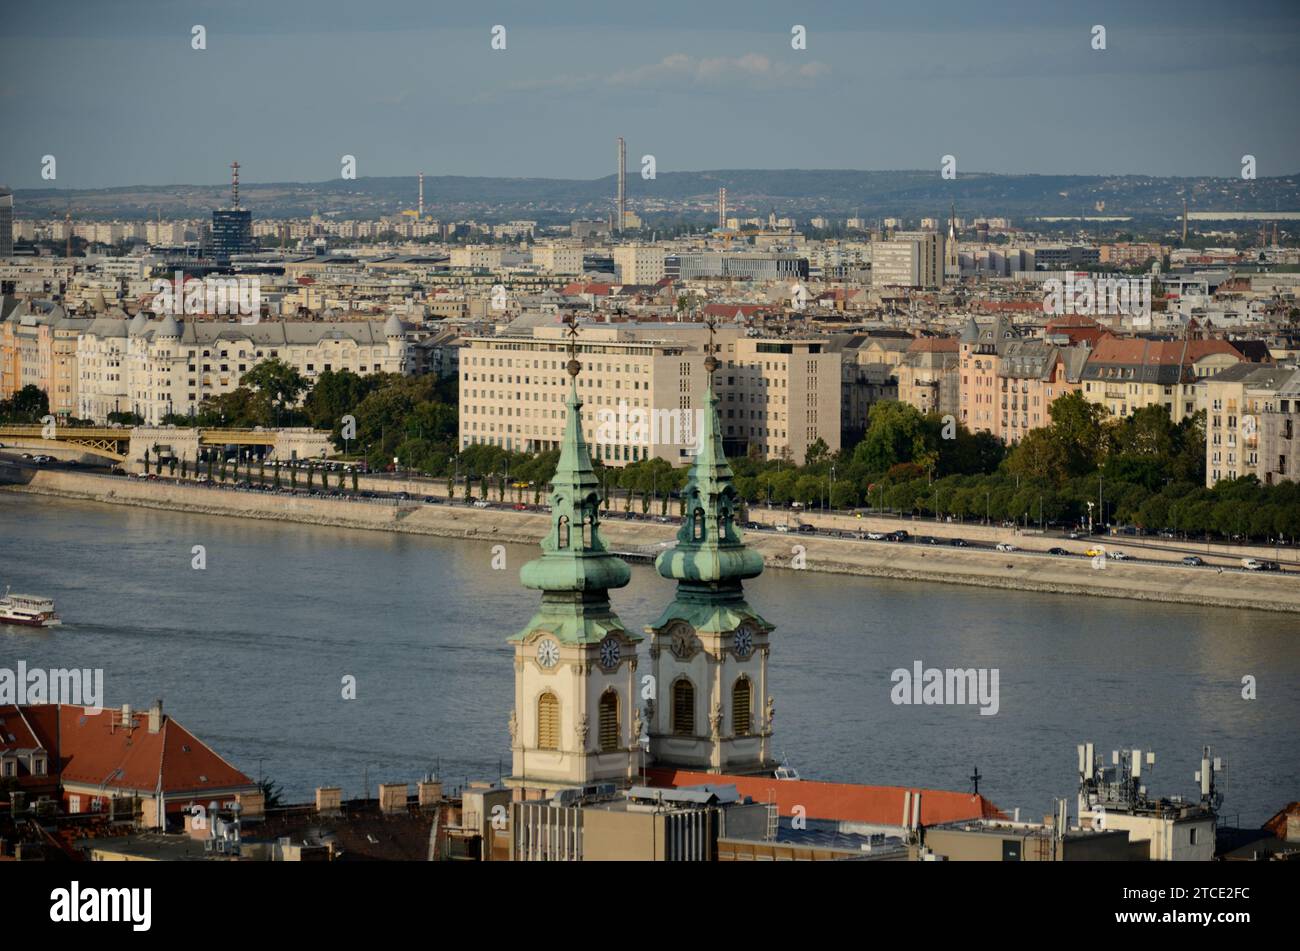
(419, 208)
(975, 782)
(234, 184)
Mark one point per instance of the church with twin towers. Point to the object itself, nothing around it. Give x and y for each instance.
(582, 706)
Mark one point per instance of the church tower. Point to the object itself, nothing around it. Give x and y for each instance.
(952, 259)
(709, 649)
(576, 720)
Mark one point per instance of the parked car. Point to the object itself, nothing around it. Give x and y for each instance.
(807, 529)
(1194, 561)
(900, 535)
(520, 507)
(876, 536)
(959, 543)
(749, 526)
(1007, 546)
(1117, 555)
(432, 500)
(1094, 552)
(1269, 566)
(1250, 564)
(1057, 551)
(783, 528)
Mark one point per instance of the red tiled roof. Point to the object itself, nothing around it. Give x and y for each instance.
(845, 802)
(934, 345)
(97, 748)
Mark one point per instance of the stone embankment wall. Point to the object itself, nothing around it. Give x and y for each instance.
(1272, 591)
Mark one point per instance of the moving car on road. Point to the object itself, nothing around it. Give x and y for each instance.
(1007, 546)
(1194, 561)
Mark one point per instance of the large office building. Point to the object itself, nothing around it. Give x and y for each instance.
(741, 266)
(638, 386)
(232, 233)
(777, 396)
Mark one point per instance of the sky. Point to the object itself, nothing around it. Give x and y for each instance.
(115, 92)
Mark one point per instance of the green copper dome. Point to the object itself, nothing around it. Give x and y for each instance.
(709, 546)
(576, 569)
(710, 559)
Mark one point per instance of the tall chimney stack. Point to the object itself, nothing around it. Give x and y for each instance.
(622, 183)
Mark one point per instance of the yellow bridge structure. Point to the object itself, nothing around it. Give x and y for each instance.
(114, 442)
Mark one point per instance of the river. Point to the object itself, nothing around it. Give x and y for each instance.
(250, 653)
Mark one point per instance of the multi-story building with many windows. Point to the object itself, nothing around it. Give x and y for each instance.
(1252, 423)
(776, 395)
(154, 368)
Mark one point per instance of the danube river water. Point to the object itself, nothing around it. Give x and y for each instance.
(250, 653)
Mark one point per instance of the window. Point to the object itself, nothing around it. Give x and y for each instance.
(609, 731)
(683, 708)
(740, 706)
(548, 722)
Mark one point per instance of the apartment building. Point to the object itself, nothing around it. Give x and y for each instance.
(557, 258)
(159, 367)
(38, 343)
(1252, 423)
(638, 264)
(1128, 374)
(1008, 383)
(780, 395)
(477, 257)
(929, 376)
(909, 259)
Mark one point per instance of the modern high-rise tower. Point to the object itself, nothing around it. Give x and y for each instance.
(232, 228)
(621, 211)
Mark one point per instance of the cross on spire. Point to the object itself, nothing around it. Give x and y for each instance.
(711, 362)
(573, 367)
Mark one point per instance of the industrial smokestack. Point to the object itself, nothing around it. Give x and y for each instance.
(622, 183)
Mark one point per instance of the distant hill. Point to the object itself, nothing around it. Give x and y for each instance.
(800, 192)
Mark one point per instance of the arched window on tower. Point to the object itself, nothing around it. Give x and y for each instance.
(609, 725)
(548, 722)
(741, 696)
(683, 708)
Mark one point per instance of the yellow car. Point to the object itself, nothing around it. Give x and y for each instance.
(1094, 552)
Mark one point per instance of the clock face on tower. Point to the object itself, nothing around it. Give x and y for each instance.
(609, 653)
(743, 641)
(548, 653)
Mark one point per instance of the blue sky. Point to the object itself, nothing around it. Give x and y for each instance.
(113, 90)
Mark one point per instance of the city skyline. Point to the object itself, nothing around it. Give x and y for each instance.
(431, 93)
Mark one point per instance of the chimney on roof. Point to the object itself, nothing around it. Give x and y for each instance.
(155, 716)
